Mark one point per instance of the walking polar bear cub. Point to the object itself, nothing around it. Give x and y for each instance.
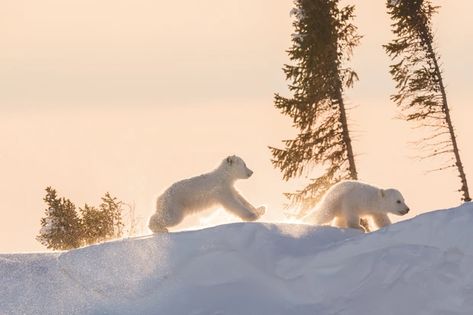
(202, 192)
(348, 201)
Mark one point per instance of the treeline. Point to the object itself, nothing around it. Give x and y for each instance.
(65, 226)
(319, 74)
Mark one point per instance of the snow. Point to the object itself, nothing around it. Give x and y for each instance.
(419, 266)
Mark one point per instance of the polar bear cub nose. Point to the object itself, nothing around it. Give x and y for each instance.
(405, 211)
(250, 172)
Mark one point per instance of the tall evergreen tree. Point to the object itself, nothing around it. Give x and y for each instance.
(321, 45)
(420, 89)
(61, 227)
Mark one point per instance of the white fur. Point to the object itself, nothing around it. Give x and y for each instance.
(348, 201)
(202, 192)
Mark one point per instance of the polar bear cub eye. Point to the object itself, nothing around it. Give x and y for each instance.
(398, 201)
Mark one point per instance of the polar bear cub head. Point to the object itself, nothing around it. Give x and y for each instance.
(236, 168)
(393, 202)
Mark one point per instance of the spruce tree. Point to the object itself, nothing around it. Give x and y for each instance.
(102, 223)
(421, 93)
(95, 225)
(61, 227)
(112, 209)
(321, 46)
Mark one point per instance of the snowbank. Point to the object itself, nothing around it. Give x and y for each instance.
(420, 266)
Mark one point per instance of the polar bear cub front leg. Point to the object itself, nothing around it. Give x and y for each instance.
(235, 203)
(258, 211)
(381, 219)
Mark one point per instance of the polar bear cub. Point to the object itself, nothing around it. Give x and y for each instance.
(348, 201)
(202, 192)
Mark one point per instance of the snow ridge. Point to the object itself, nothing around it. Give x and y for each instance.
(419, 266)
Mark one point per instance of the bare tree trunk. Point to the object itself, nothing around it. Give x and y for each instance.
(346, 136)
(347, 141)
(453, 138)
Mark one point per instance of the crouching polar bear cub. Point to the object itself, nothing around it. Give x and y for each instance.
(202, 192)
(348, 201)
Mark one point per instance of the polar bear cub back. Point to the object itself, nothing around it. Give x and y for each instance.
(347, 201)
(202, 192)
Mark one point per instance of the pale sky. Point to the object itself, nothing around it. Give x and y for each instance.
(131, 96)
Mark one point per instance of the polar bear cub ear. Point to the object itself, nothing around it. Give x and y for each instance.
(382, 193)
(229, 160)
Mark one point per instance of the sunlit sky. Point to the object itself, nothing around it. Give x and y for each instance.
(130, 96)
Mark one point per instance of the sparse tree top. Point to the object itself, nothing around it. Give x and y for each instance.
(421, 93)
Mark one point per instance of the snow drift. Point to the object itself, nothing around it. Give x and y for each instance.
(419, 266)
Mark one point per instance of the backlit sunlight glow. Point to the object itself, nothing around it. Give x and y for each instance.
(171, 108)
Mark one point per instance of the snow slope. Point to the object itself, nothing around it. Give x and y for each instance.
(420, 266)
